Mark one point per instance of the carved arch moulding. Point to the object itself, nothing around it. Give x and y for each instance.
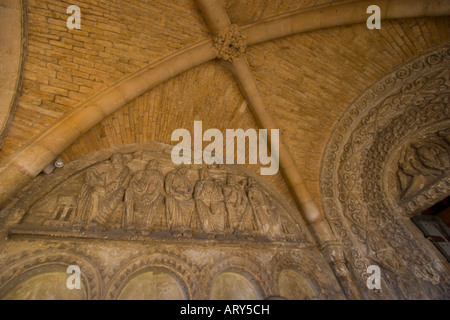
(387, 160)
(20, 267)
(172, 263)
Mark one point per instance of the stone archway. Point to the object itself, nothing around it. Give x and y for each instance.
(387, 159)
(233, 286)
(12, 56)
(35, 275)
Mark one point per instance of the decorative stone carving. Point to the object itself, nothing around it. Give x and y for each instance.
(209, 201)
(310, 269)
(135, 196)
(237, 263)
(383, 163)
(423, 161)
(35, 263)
(268, 219)
(174, 264)
(240, 214)
(41, 238)
(101, 194)
(179, 202)
(142, 198)
(229, 44)
(108, 266)
(63, 212)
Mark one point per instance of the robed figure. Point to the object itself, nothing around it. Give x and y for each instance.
(210, 205)
(179, 202)
(239, 211)
(101, 194)
(142, 198)
(267, 216)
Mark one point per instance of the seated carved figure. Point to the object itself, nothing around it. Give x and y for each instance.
(101, 194)
(142, 198)
(179, 202)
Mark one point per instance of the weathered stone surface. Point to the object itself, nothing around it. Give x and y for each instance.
(12, 54)
(141, 193)
(307, 81)
(81, 215)
(386, 161)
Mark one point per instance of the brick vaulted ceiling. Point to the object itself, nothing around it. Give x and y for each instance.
(307, 80)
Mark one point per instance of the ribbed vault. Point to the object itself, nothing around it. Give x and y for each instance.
(306, 80)
(138, 70)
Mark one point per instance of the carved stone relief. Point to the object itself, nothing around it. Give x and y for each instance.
(101, 194)
(109, 269)
(134, 195)
(419, 173)
(127, 214)
(179, 201)
(387, 158)
(142, 198)
(421, 162)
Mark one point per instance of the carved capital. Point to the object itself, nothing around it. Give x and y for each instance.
(333, 252)
(230, 43)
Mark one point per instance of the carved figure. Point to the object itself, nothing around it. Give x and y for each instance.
(101, 194)
(237, 205)
(210, 205)
(420, 163)
(179, 202)
(142, 198)
(267, 216)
